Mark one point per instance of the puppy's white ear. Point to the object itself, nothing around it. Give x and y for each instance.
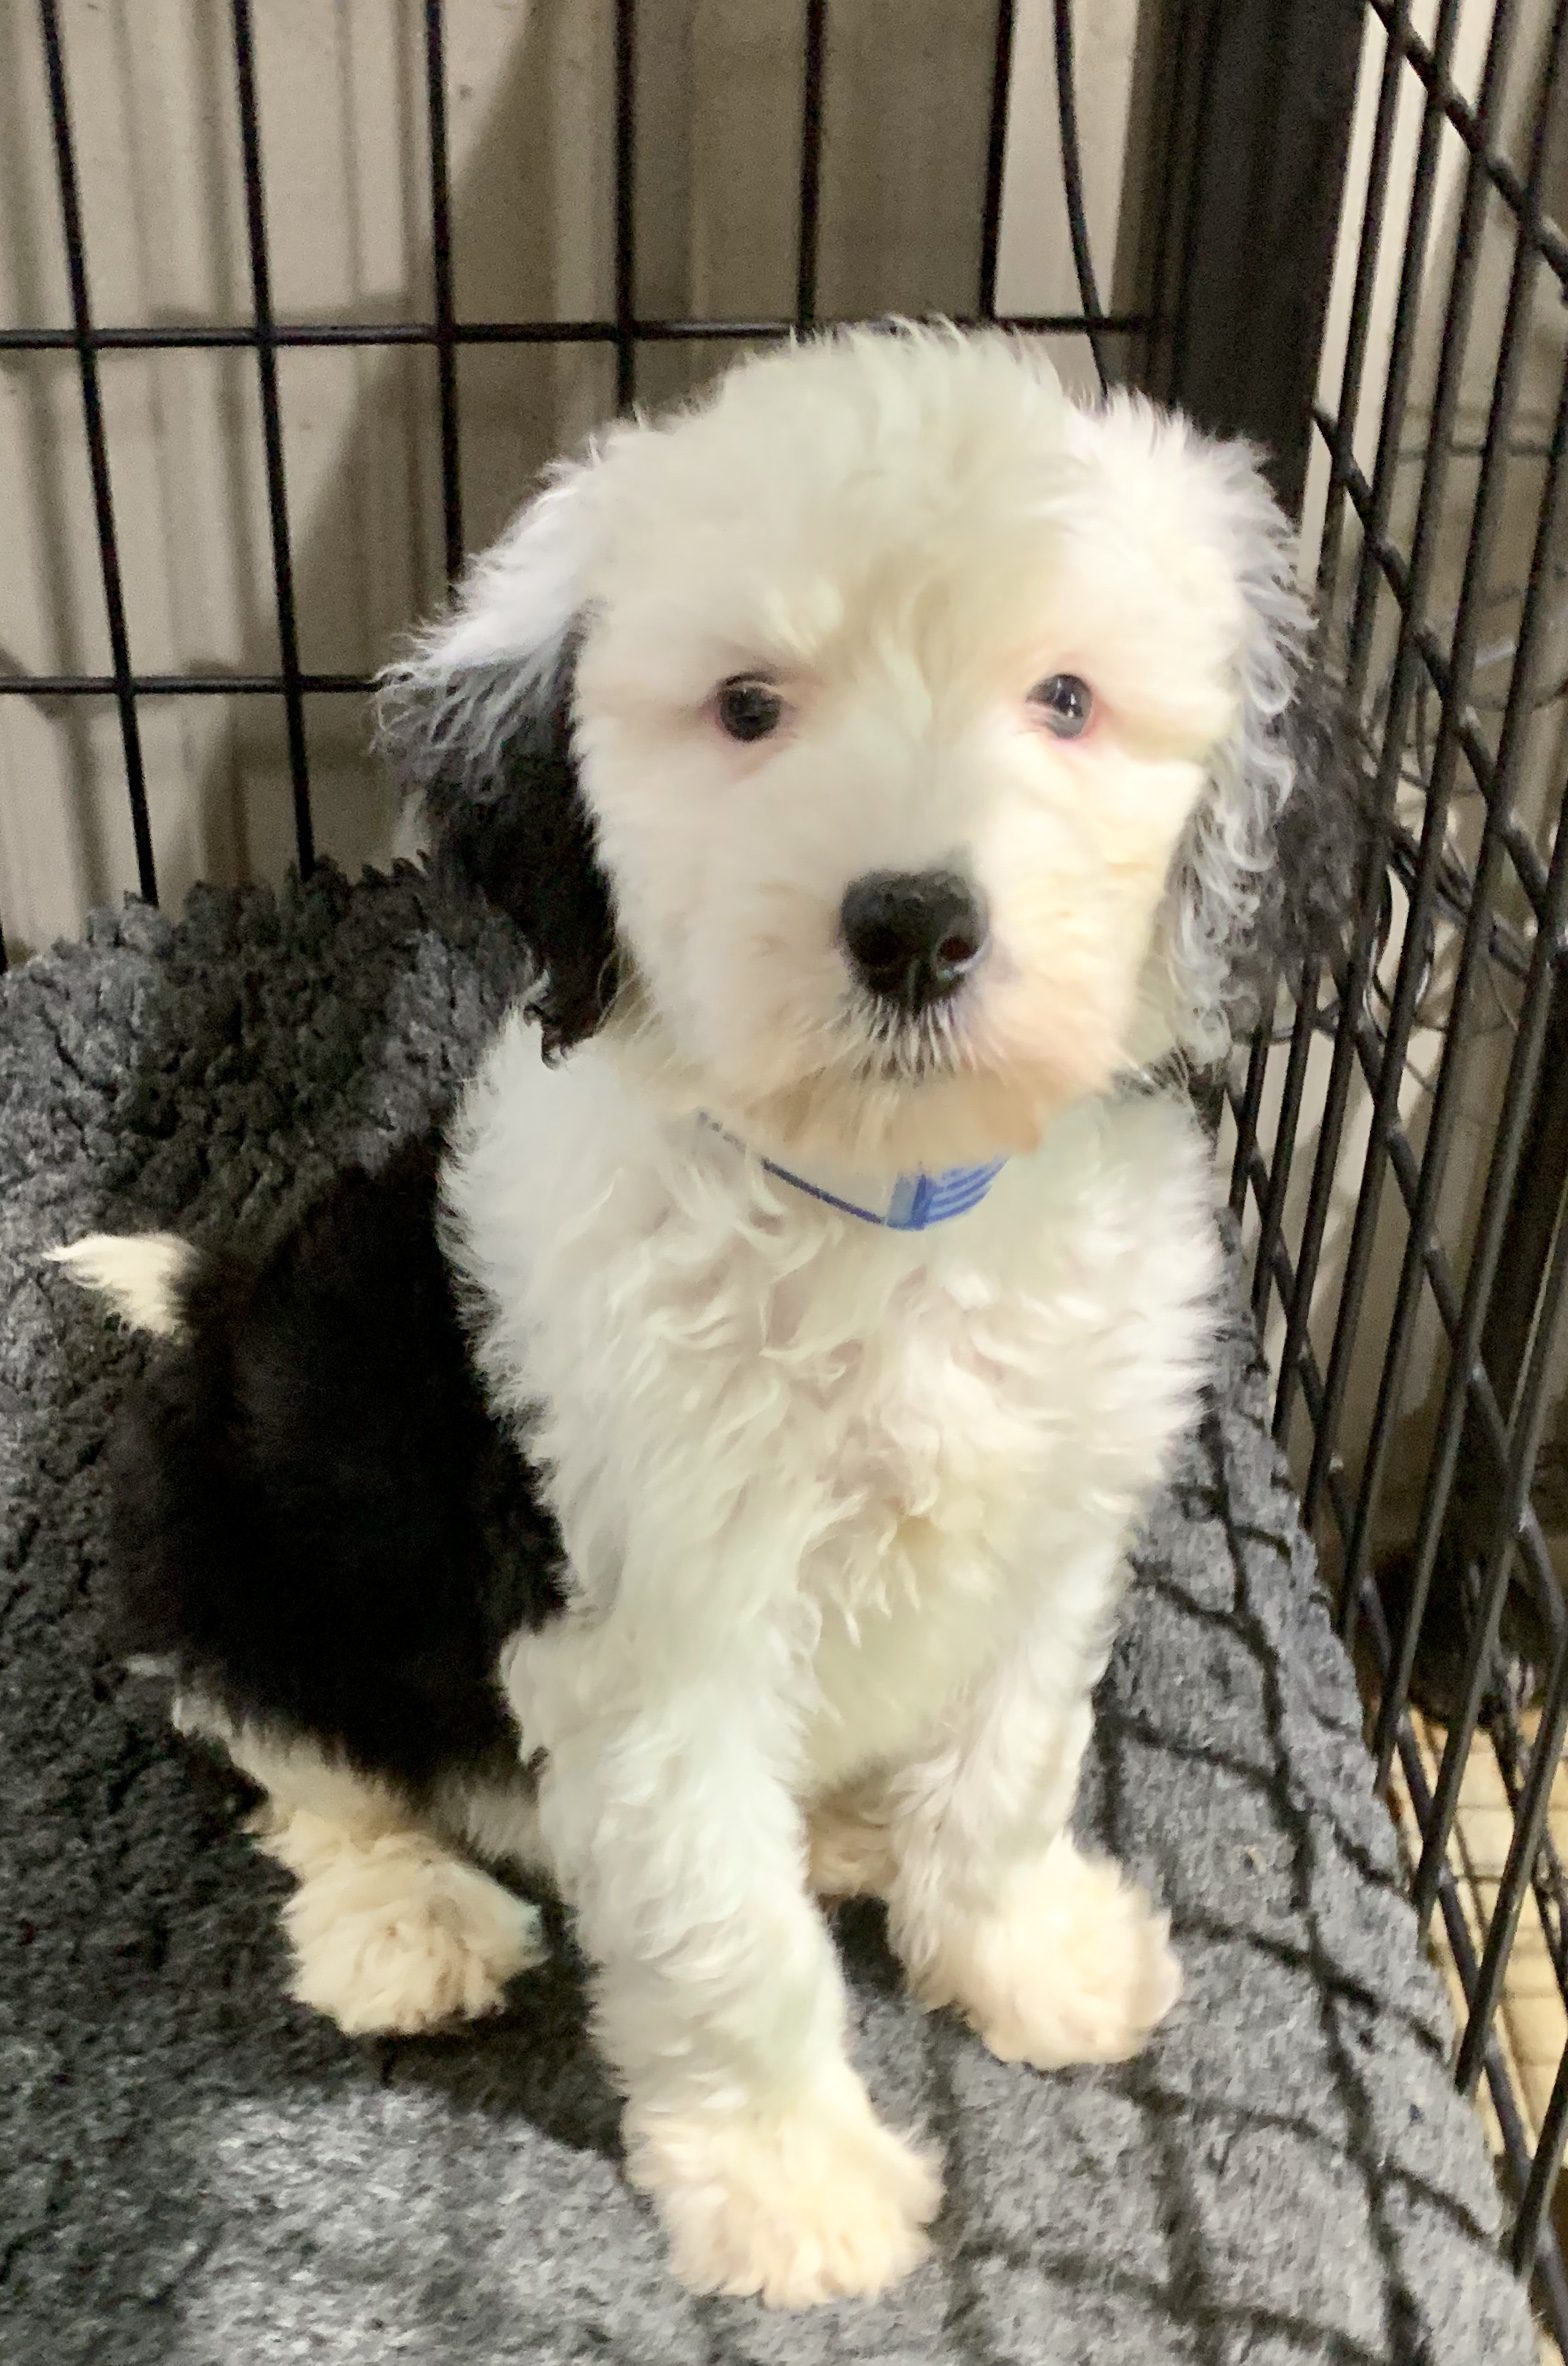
(519, 599)
(477, 721)
(1267, 868)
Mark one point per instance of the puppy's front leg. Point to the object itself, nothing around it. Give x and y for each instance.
(1051, 1953)
(665, 1804)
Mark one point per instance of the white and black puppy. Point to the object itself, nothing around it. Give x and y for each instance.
(709, 1474)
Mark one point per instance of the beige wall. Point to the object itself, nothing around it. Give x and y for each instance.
(342, 109)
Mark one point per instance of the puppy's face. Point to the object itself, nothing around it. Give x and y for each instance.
(900, 686)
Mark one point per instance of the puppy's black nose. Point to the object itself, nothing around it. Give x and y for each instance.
(912, 936)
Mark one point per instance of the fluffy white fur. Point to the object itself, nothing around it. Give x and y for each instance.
(390, 1929)
(845, 1510)
(138, 1274)
(905, 533)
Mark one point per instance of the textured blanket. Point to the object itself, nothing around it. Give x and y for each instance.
(194, 2170)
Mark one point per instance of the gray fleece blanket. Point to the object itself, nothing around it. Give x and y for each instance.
(194, 2170)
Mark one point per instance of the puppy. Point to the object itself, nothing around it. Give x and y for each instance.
(708, 1474)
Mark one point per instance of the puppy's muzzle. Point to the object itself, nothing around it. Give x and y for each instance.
(912, 937)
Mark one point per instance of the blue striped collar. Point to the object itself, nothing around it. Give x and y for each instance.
(899, 1203)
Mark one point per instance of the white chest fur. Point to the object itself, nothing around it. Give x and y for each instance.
(876, 1448)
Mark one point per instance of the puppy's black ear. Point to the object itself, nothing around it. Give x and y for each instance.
(1321, 836)
(1269, 867)
(478, 723)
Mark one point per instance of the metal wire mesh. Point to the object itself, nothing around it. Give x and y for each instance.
(263, 334)
(1408, 1116)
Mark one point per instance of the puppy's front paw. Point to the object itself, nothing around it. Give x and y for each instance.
(1076, 1967)
(810, 2202)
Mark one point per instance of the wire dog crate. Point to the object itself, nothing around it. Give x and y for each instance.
(1325, 185)
(1451, 1598)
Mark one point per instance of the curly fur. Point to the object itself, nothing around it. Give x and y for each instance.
(490, 696)
(812, 1525)
(1227, 884)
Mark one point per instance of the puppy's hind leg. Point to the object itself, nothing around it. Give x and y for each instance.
(390, 1930)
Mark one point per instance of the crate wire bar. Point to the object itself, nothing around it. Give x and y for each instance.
(81, 335)
(1501, 1315)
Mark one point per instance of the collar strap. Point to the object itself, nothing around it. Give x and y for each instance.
(899, 1203)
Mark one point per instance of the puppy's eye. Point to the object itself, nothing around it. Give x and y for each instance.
(748, 708)
(1065, 702)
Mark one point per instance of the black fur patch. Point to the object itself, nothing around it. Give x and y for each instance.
(1312, 888)
(526, 844)
(511, 822)
(314, 1513)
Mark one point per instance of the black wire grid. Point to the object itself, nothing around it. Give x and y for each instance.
(265, 335)
(1475, 1564)
(1244, 219)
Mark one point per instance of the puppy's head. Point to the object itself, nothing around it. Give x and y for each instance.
(889, 750)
